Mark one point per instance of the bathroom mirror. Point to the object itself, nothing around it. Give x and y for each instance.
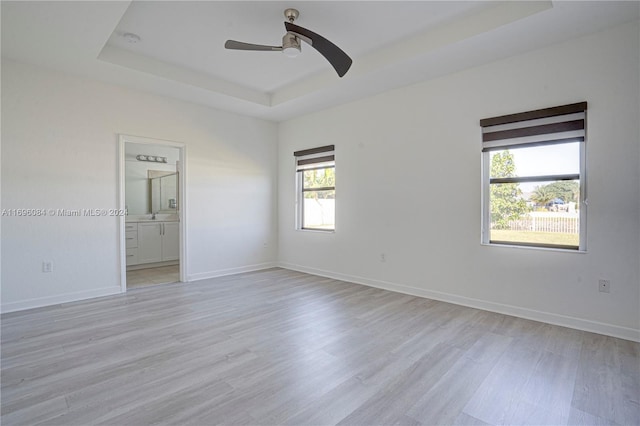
(151, 186)
(163, 191)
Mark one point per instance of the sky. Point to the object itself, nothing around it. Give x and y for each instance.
(545, 160)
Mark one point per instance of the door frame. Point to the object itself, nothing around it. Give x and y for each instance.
(123, 139)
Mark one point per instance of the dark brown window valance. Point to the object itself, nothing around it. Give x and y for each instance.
(314, 157)
(546, 126)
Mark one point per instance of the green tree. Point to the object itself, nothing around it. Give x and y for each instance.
(542, 195)
(566, 190)
(319, 178)
(506, 198)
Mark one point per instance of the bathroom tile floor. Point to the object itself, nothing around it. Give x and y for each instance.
(152, 276)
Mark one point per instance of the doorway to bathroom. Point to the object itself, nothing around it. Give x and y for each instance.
(152, 192)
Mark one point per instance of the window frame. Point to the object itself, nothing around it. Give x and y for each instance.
(324, 157)
(523, 142)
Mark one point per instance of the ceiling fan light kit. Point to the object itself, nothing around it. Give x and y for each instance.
(291, 47)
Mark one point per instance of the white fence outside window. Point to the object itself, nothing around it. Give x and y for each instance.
(547, 222)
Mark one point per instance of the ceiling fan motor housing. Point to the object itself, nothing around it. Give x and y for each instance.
(291, 45)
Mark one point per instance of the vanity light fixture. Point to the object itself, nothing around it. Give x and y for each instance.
(151, 158)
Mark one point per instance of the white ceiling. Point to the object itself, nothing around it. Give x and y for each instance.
(181, 53)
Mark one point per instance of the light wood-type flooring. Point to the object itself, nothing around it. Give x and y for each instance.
(282, 347)
(153, 276)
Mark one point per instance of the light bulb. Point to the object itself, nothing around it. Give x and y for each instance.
(291, 52)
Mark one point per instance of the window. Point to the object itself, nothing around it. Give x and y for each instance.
(533, 189)
(316, 188)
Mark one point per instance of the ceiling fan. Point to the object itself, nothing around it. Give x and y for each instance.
(340, 61)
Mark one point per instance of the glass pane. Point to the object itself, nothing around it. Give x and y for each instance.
(318, 210)
(319, 178)
(545, 213)
(536, 161)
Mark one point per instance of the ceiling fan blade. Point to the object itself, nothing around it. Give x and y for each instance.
(238, 45)
(340, 61)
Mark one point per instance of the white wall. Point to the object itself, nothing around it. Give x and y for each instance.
(420, 147)
(59, 150)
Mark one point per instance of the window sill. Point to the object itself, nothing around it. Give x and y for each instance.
(562, 250)
(317, 231)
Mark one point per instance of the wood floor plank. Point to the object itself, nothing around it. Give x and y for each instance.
(284, 347)
(36, 413)
(579, 417)
(551, 386)
(443, 402)
(498, 395)
(467, 420)
(405, 387)
(600, 370)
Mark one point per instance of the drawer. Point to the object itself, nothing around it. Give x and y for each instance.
(132, 256)
(131, 239)
(131, 226)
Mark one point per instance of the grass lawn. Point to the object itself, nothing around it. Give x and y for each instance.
(535, 237)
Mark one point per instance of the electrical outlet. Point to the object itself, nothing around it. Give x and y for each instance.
(47, 266)
(383, 257)
(604, 286)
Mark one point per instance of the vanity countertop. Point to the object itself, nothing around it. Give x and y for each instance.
(147, 218)
(152, 220)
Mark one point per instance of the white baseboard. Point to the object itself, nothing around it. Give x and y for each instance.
(531, 314)
(59, 298)
(231, 271)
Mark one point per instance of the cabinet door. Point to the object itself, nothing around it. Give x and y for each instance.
(149, 242)
(171, 241)
(132, 256)
(131, 239)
